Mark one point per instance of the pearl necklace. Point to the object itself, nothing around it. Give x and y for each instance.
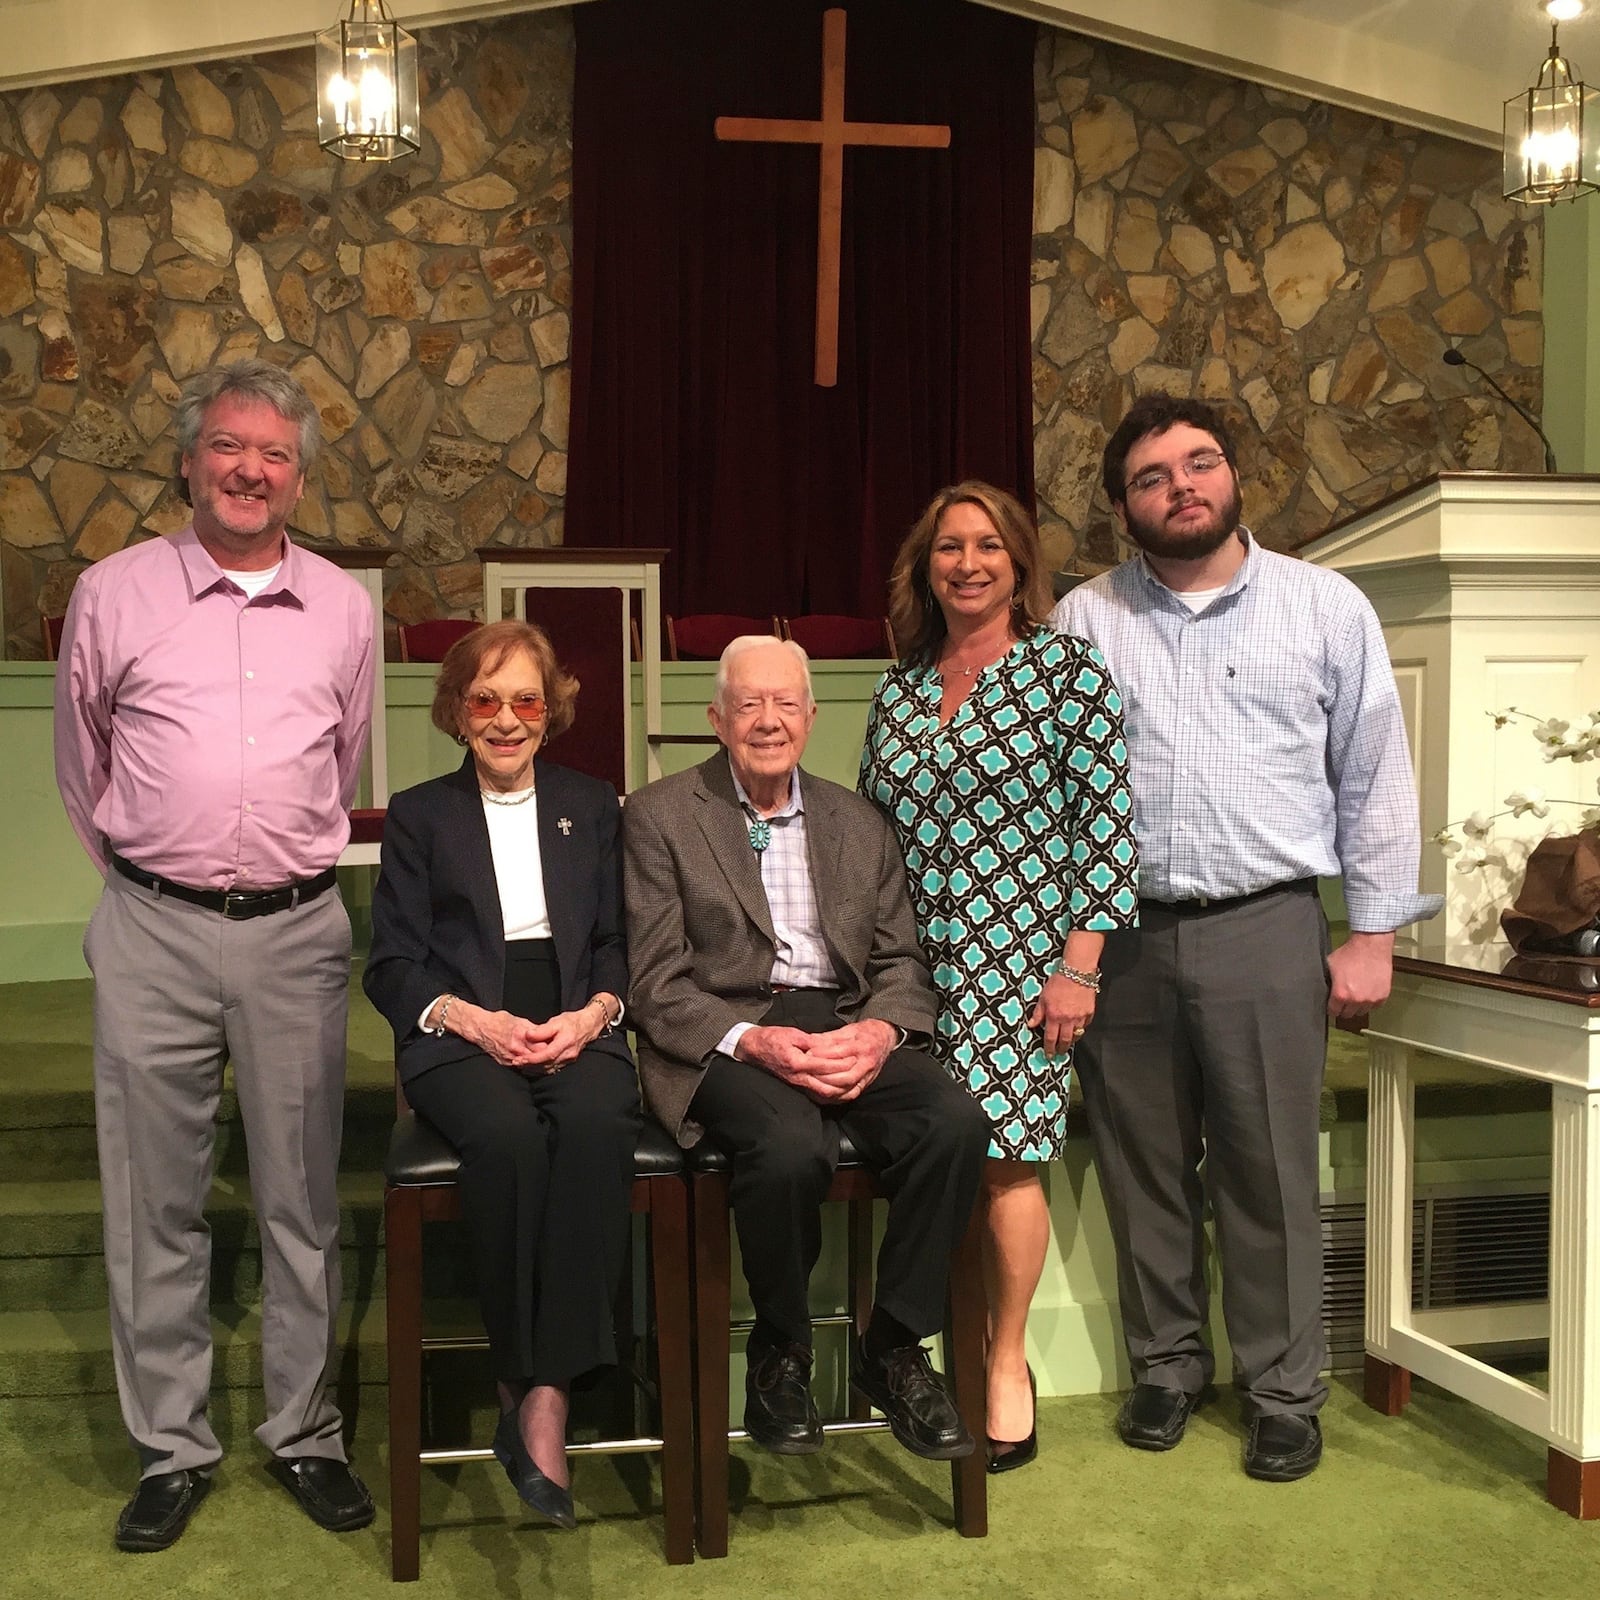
(520, 798)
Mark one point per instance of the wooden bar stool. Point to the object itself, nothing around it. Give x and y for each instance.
(966, 1311)
(420, 1186)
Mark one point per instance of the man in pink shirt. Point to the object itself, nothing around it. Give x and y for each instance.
(212, 704)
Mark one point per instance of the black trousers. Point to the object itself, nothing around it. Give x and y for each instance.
(546, 1169)
(921, 1133)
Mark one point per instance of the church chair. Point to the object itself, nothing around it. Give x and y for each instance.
(429, 640)
(420, 1186)
(51, 628)
(966, 1314)
(705, 636)
(825, 636)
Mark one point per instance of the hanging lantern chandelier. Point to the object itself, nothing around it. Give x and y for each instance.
(367, 105)
(1552, 130)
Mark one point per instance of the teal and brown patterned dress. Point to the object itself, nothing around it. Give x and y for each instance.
(1017, 827)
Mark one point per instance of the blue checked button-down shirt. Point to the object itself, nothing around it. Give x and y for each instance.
(1265, 740)
(802, 958)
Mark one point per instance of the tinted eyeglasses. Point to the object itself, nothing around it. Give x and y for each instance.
(1200, 465)
(482, 706)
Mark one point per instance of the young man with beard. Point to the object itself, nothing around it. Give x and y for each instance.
(1266, 751)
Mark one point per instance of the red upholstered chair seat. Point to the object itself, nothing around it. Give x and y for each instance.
(705, 636)
(826, 636)
(428, 641)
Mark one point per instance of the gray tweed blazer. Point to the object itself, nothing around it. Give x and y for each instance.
(700, 938)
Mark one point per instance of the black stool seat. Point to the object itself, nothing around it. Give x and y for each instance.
(707, 1157)
(419, 1155)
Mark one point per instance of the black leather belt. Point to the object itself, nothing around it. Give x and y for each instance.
(238, 905)
(1203, 903)
(801, 988)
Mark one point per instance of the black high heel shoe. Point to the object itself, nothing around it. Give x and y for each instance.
(1006, 1455)
(539, 1493)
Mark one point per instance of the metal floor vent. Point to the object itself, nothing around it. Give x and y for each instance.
(1469, 1246)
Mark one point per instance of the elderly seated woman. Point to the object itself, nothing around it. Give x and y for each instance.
(499, 959)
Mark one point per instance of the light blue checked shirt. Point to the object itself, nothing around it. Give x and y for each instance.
(801, 957)
(1265, 741)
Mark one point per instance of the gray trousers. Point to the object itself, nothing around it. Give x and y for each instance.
(1208, 1045)
(179, 990)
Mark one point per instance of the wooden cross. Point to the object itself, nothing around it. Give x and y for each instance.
(831, 134)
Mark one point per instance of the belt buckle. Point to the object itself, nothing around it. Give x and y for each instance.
(1202, 900)
(236, 906)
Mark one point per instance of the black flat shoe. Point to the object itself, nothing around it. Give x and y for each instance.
(1153, 1417)
(1282, 1449)
(779, 1413)
(915, 1400)
(326, 1490)
(1006, 1455)
(537, 1492)
(160, 1510)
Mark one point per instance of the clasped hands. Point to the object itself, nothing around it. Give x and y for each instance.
(830, 1067)
(528, 1046)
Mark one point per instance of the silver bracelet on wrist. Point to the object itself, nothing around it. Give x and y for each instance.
(1090, 980)
(608, 1023)
(444, 1013)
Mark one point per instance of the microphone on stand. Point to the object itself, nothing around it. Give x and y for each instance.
(1454, 358)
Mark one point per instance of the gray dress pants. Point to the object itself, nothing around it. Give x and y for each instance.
(1202, 1075)
(180, 990)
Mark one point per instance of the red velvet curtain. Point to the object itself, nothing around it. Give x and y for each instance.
(695, 421)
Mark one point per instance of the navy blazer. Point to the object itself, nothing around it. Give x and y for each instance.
(437, 925)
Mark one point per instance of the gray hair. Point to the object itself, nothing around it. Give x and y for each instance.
(255, 380)
(751, 641)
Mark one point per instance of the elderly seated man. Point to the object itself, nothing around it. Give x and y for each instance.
(780, 997)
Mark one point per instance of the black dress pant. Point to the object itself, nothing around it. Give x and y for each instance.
(546, 1170)
(921, 1133)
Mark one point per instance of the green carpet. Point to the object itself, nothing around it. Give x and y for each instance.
(1442, 1504)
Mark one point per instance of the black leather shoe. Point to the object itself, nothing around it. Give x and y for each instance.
(537, 1492)
(1154, 1417)
(327, 1490)
(779, 1413)
(917, 1402)
(1006, 1455)
(1283, 1448)
(160, 1510)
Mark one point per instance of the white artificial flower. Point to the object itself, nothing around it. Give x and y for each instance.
(1501, 718)
(1590, 818)
(1523, 802)
(1477, 825)
(1472, 857)
(1447, 843)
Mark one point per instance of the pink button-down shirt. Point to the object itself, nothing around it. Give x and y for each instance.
(209, 738)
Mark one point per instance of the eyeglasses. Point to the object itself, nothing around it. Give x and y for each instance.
(1200, 465)
(485, 707)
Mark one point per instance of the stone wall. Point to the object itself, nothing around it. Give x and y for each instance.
(1304, 267)
(156, 224)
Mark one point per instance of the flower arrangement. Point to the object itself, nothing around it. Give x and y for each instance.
(1469, 844)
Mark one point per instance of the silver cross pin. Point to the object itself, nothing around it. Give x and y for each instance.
(565, 825)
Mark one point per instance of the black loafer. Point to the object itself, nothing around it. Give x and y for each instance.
(160, 1510)
(779, 1413)
(1154, 1417)
(538, 1493)
(327, 1491)
(915, 1399)
(1283, 1448)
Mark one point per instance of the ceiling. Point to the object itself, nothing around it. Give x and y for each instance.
(1440, 64)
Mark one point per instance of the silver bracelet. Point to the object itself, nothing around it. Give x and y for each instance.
(608, 1023)
(1090, 980)
(437, 1030)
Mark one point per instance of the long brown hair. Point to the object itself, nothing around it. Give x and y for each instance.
(914, 614)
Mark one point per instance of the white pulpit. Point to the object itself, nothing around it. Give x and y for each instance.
(1488, 589)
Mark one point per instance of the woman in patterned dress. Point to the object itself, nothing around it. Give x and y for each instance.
(995, 749)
